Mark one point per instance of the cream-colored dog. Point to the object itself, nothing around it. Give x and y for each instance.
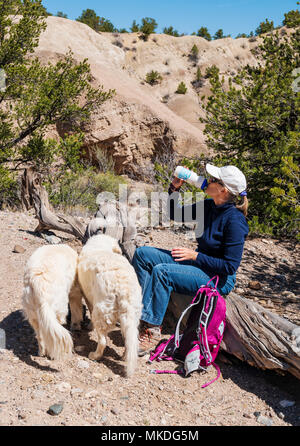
(49, 278)
(112, 293)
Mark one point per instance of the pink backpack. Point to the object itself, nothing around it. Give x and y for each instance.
(197, 347)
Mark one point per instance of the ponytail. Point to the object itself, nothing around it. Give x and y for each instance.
(243, 207)
(240, 205)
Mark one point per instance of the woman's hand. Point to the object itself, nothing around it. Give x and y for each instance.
(180, 254)
(177, 182)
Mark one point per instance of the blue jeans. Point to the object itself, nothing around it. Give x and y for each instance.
(159, 274)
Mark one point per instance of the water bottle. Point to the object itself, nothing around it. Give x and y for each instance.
(190, 177)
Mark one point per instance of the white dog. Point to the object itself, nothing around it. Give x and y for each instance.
(50, 276)
(112, 293)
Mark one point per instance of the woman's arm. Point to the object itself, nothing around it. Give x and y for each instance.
(235, 233)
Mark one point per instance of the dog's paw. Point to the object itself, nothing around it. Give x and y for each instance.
(93, 356)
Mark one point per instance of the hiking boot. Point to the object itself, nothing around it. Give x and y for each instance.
(149, 337)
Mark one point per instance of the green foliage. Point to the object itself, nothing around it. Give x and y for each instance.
(153, 77)
(203, 32)
(181, 89)
(264, 27)
(62, 15)
(135, 28)
(220, 35)
(37, 95)
(147, 27)
(212, 71)
(99, 24)
(171, 31)
(255, 126)
(194, 54)
(292, 19)
(78, 190)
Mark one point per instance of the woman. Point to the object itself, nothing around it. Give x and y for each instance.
(184, 270)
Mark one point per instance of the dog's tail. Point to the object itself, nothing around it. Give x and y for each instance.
(58, 341)
(129, 323)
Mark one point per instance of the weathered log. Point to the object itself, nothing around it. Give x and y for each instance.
(253, 334)
(34, 195)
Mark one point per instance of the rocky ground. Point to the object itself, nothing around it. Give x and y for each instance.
(84, 392)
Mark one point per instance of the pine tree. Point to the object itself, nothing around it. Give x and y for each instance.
(36, 96)
(255, 126)
(203, 32)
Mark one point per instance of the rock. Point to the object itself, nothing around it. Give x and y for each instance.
(255, 285)
(55, 409)
(22, 416)
(51, 239)
(19, 249)
(287, 403)
(82, 364)
(261, 419)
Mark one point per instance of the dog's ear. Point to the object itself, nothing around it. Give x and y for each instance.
(116, 248)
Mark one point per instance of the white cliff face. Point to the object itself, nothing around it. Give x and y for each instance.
(142, 120)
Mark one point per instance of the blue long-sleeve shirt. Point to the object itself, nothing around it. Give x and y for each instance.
(225, 229)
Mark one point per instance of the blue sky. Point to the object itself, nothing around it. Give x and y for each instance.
(186, 16)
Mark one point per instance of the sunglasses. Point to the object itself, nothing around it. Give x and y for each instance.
(215, 180)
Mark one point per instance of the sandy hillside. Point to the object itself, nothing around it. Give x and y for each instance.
(96, 394)
(143, 120)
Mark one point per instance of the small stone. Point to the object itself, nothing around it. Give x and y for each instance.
(21, 416)
(281, 415)
(91, 394)
(114, 411)
(287, 403)
(261, 419)
(64, 387)
(82, 364)
(76, 391)
(51, 239)
(255, 285)
(19, 249)
(55, 409)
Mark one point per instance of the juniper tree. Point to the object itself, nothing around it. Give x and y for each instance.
(255, 125)
(37, 95)
(203, 32)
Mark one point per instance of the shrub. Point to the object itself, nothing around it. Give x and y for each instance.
(194, 54)
(292, 19)
(148, 27)
(203, 32)
(181, 89)
(171, 31)
(153, 77)
(264, 27)
(255, 126)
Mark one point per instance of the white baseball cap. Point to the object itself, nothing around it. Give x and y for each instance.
(232, 177)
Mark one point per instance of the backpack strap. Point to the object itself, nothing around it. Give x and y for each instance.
(194, 302)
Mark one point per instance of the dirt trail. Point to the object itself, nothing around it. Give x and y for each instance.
(91, 393)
